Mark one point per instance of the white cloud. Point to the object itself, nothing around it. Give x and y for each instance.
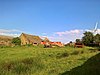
(43, 37)
(8, 31)
(67, 36)
(72, 32)
(97, 31)
(44, 33)
(12, 32)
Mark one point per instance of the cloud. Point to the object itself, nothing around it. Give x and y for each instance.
(96, 32)
(70, 32)
(12, 32)
(8, 31)
(44, 33)
(43, 37)
(67, 36)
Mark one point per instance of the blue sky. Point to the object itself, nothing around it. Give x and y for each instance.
(59, 20)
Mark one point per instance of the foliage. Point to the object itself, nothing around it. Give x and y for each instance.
(90, 67)
(97, 38)
(91, 40)
(78, 41)
(88, 38)
(16, 41)
(70, 42)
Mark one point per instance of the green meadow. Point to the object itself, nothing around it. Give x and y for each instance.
(36, 60)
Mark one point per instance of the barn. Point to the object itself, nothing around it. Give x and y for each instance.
(30, 39)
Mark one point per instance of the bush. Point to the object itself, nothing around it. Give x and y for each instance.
(16, 41)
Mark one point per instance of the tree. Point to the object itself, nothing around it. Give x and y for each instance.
(97, 38)
(78, 41)
(16, 41)
(88, 38)
(70, 42)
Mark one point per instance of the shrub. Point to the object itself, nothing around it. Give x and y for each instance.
(16, 41)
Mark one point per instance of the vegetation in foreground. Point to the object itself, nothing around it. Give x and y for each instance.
(29, 60)
(90, 67)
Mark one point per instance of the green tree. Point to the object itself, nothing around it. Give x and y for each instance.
(78, 41)
(16, 41)
(97, 38)
(88, 38)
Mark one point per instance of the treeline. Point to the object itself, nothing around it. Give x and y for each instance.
(89, 39)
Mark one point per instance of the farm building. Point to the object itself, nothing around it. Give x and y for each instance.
(57, 44)
(52, 43)
(45, 40)
(78, 45)
(29, 39)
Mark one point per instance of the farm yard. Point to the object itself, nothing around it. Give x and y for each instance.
(36, 60)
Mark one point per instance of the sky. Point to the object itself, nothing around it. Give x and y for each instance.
(59, 20)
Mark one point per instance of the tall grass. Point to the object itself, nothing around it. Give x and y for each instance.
(21, 67)
(29, 60)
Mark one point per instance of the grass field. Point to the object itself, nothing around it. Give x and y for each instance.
(29, 60)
